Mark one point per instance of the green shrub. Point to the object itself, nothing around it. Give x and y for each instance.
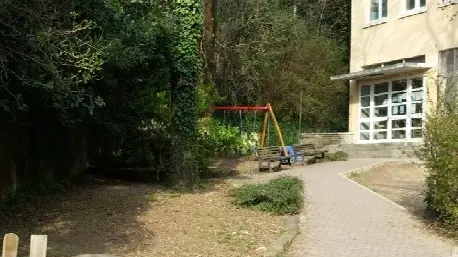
(252, 124)
(440, 154)
(337, 156)
(226, 140)
(354, 175)
(280, 196)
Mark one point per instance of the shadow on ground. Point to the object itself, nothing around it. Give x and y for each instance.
(234, 168)
(97, 217)
(108, 216)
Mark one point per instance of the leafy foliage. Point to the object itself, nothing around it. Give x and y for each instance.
(265, 54)
(185, 73)
(280, 196)
(441, 158)
(327, 18)
(226, 140)
(206, 98)
(108, 66)
(48, 58)
(132, 129)
(121, 78)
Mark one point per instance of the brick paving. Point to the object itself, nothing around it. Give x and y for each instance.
(342, 219)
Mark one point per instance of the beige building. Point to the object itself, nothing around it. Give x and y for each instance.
(399, 51)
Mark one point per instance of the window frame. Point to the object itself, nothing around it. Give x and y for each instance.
(417, 8)
(381, 18)
(410, 130)
(443, 67)
(449, 77)
(447, 2)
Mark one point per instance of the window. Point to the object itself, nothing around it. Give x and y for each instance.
(379, 9)
(448, 65)
(448, 62)
(446, 2)
(413, 5)
(415, 59)
(392, 110)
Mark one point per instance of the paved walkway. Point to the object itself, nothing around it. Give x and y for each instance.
(342, 220)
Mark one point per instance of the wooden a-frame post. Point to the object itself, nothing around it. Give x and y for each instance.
(268, 112)
(277, 128)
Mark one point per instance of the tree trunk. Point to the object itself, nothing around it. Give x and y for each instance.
(208, 42)
(183, 163)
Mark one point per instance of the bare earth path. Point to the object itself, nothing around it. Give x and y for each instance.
(343, 219)
(127, 219)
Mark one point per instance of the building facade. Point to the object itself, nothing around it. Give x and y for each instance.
(400, 50)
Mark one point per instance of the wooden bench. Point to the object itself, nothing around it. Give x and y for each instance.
(267, 155)
(309, 150)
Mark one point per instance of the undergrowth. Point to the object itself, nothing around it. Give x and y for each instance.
(441, 160)
(354, 175)
(28, 197)
(337, 156)
(279, 196)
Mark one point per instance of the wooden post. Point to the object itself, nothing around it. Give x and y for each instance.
(277, 128)
(208, 40)
(38, 245)
(10, 245)
(264, 129)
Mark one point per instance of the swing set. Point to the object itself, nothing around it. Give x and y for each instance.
(268, 112)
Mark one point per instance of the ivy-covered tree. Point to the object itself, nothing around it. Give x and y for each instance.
(184, 78)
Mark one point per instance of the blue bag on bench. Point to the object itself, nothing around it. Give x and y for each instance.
(291, 154)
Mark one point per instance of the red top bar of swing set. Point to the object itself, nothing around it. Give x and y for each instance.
(257, 108)
(241, 108)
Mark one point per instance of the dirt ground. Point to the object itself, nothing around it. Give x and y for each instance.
(237, 167)
(233, 167)
(133, 219)
(403, 183)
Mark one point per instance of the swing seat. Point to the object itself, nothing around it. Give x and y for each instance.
(267, 156)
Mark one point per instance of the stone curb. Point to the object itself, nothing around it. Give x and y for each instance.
(282, 243)
(95, 255)
(381, 163)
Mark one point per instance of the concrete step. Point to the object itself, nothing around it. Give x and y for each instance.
(379, 150)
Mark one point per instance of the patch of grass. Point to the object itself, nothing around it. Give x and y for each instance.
(153, 197)
(337, 156)
(280, 196)
(354, 175)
